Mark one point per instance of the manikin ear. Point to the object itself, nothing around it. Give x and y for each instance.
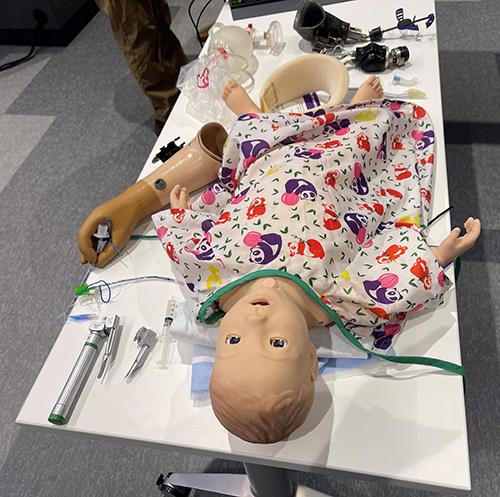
(313, 363)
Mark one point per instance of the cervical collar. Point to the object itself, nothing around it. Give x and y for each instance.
(304, 75)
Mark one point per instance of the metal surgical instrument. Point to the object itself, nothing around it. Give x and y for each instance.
(99, 331)
(145, 339)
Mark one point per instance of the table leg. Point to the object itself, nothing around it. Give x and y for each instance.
(267, 481)
(259, 481)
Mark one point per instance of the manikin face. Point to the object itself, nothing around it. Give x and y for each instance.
(263, 342)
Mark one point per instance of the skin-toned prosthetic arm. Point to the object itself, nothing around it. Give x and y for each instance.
(194, 166)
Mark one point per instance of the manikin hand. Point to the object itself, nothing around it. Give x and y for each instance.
(179, 197)
(454, 244)
(125, 211)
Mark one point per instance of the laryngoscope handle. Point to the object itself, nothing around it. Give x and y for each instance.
(78, 375)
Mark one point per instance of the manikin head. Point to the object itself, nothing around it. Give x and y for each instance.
(262, 384)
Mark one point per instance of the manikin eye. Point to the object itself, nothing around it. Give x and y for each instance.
(278, 342)
(232, 339)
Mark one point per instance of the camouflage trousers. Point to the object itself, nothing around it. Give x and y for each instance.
(153, 53)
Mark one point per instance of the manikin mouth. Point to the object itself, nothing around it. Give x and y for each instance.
(260, 301)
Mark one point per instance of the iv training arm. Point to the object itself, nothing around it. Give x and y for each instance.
(194, 166)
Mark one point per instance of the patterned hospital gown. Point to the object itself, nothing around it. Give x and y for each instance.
(334, 200)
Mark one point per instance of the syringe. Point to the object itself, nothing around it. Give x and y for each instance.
(166, 338)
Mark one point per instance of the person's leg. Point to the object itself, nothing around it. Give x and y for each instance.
(237, 99)
(162, 73)
(371, 89)
(153, 53)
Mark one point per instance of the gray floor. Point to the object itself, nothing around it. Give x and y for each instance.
(75, 130)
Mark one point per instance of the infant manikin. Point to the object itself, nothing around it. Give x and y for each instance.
(262, 385)
(313, 218)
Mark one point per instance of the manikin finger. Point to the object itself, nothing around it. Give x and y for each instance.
(82, 259)
(174, 196)
(473, 230)
(455, 233)
(87, 251)
(183, 199)
(469, 226)
(106, 255)
(120, 238)
(472, 224)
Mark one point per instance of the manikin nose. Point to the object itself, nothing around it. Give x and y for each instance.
(258, 311)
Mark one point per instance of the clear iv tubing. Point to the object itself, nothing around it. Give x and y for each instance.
(166, 337)
(64, 315)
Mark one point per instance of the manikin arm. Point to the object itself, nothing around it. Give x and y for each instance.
(194, 166)
(455, 245)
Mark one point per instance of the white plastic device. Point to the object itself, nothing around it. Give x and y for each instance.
(272, 38)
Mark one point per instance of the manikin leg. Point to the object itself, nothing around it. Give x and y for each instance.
(238, 100)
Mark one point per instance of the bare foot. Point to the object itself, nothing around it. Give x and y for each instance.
(237, 99)
(371, 89)
(454, 244)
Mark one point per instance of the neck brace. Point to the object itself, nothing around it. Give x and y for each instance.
(306, 74)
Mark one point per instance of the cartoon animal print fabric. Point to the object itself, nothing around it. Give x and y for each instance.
(336, 199)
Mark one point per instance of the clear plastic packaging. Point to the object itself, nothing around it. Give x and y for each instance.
(202, 81)
(233, 40)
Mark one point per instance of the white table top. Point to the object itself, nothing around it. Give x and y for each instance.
(406, 426)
